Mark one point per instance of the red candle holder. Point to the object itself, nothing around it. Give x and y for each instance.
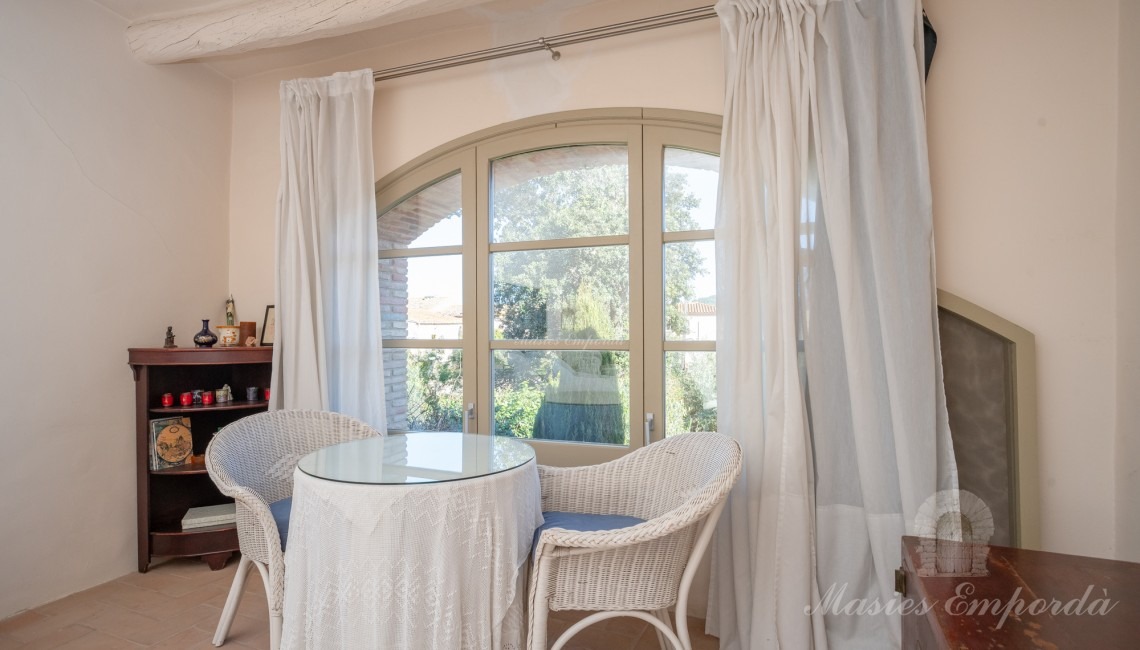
(207, 398)
(168, 399)
(186, 399)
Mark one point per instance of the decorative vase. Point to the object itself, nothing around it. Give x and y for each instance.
(205, 338)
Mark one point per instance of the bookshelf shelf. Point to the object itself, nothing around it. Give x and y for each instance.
(160, 411)
(164, 495)
(181, 470)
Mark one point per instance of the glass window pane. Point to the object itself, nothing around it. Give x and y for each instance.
(564, 294)
(690, 291)
(690, 189)
(422, 297)
(690, 392)
(580, 191)
(431, 217)
(423, 389)
(571, 395)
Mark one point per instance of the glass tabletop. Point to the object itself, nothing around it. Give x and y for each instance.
(429, 457)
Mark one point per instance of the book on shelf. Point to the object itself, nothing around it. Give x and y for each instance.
(204, 516)
(171, 443)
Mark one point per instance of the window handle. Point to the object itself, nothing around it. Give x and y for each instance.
(649, 426)
(468, 415)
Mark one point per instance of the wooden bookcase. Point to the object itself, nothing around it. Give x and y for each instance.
(165, 495)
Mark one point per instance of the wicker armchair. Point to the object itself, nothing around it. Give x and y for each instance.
(252, 460)
(679, 487)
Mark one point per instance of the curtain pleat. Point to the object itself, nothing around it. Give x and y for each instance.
(327, 355)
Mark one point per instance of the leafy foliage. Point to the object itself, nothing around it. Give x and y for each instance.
(521, 311)
(690, 399)
(435, 390)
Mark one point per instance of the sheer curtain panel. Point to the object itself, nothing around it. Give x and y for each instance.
(828, 92)
(763, 559)
(328, 352)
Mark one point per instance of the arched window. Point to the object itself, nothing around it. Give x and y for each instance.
(553, 279)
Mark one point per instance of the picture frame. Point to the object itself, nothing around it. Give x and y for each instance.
(171, 442)
(269, 325)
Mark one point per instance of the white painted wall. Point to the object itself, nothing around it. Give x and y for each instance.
(1128, 289)
(114, 181)
(1022, 118)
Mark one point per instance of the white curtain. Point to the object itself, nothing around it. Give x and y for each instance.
(824, 239)
(763, 569)
(327, 353)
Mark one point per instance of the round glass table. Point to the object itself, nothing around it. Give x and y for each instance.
(411, 541)
(429, 457)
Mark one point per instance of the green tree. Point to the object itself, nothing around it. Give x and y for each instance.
(435, 391)
(690, 399)
(576, 203)
(520, 310)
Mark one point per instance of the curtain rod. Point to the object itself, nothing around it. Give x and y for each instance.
(549, 43)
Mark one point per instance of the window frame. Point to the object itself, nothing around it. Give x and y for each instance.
(658, 138)
(646, 133)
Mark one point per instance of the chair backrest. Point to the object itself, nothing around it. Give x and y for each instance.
(693, 467)
(259, 452)
(703, 468)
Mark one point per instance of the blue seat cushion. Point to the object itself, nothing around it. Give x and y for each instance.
(280, 510)
(585, 522)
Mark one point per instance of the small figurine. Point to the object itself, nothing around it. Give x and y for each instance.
(230, 310)
(169, 337)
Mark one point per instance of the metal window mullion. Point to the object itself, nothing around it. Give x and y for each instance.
(653, 274)
(550, 244)
(560, 345)
(689, 346)
(427, 251)
(482, 307)
(423, 344)
(471, 293)
(637, 288)
(687, 235)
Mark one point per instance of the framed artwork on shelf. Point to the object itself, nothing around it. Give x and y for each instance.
(269, 325)
(170, 442)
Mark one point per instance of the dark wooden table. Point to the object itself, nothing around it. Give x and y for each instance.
(1058, 602)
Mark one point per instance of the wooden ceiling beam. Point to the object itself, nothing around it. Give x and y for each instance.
(259, 24)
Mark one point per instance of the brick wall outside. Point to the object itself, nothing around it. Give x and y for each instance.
(397, 229)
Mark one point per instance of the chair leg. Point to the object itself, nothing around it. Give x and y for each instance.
(538, 605)
(231, 607)
(663, 616)
(275, 621)
(275, 617)
(698, 552)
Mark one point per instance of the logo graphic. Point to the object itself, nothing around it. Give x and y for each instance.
(955, 527)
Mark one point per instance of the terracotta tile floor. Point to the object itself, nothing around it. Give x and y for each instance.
(177, 604)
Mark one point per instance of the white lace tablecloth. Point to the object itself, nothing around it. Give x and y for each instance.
(432, 566)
